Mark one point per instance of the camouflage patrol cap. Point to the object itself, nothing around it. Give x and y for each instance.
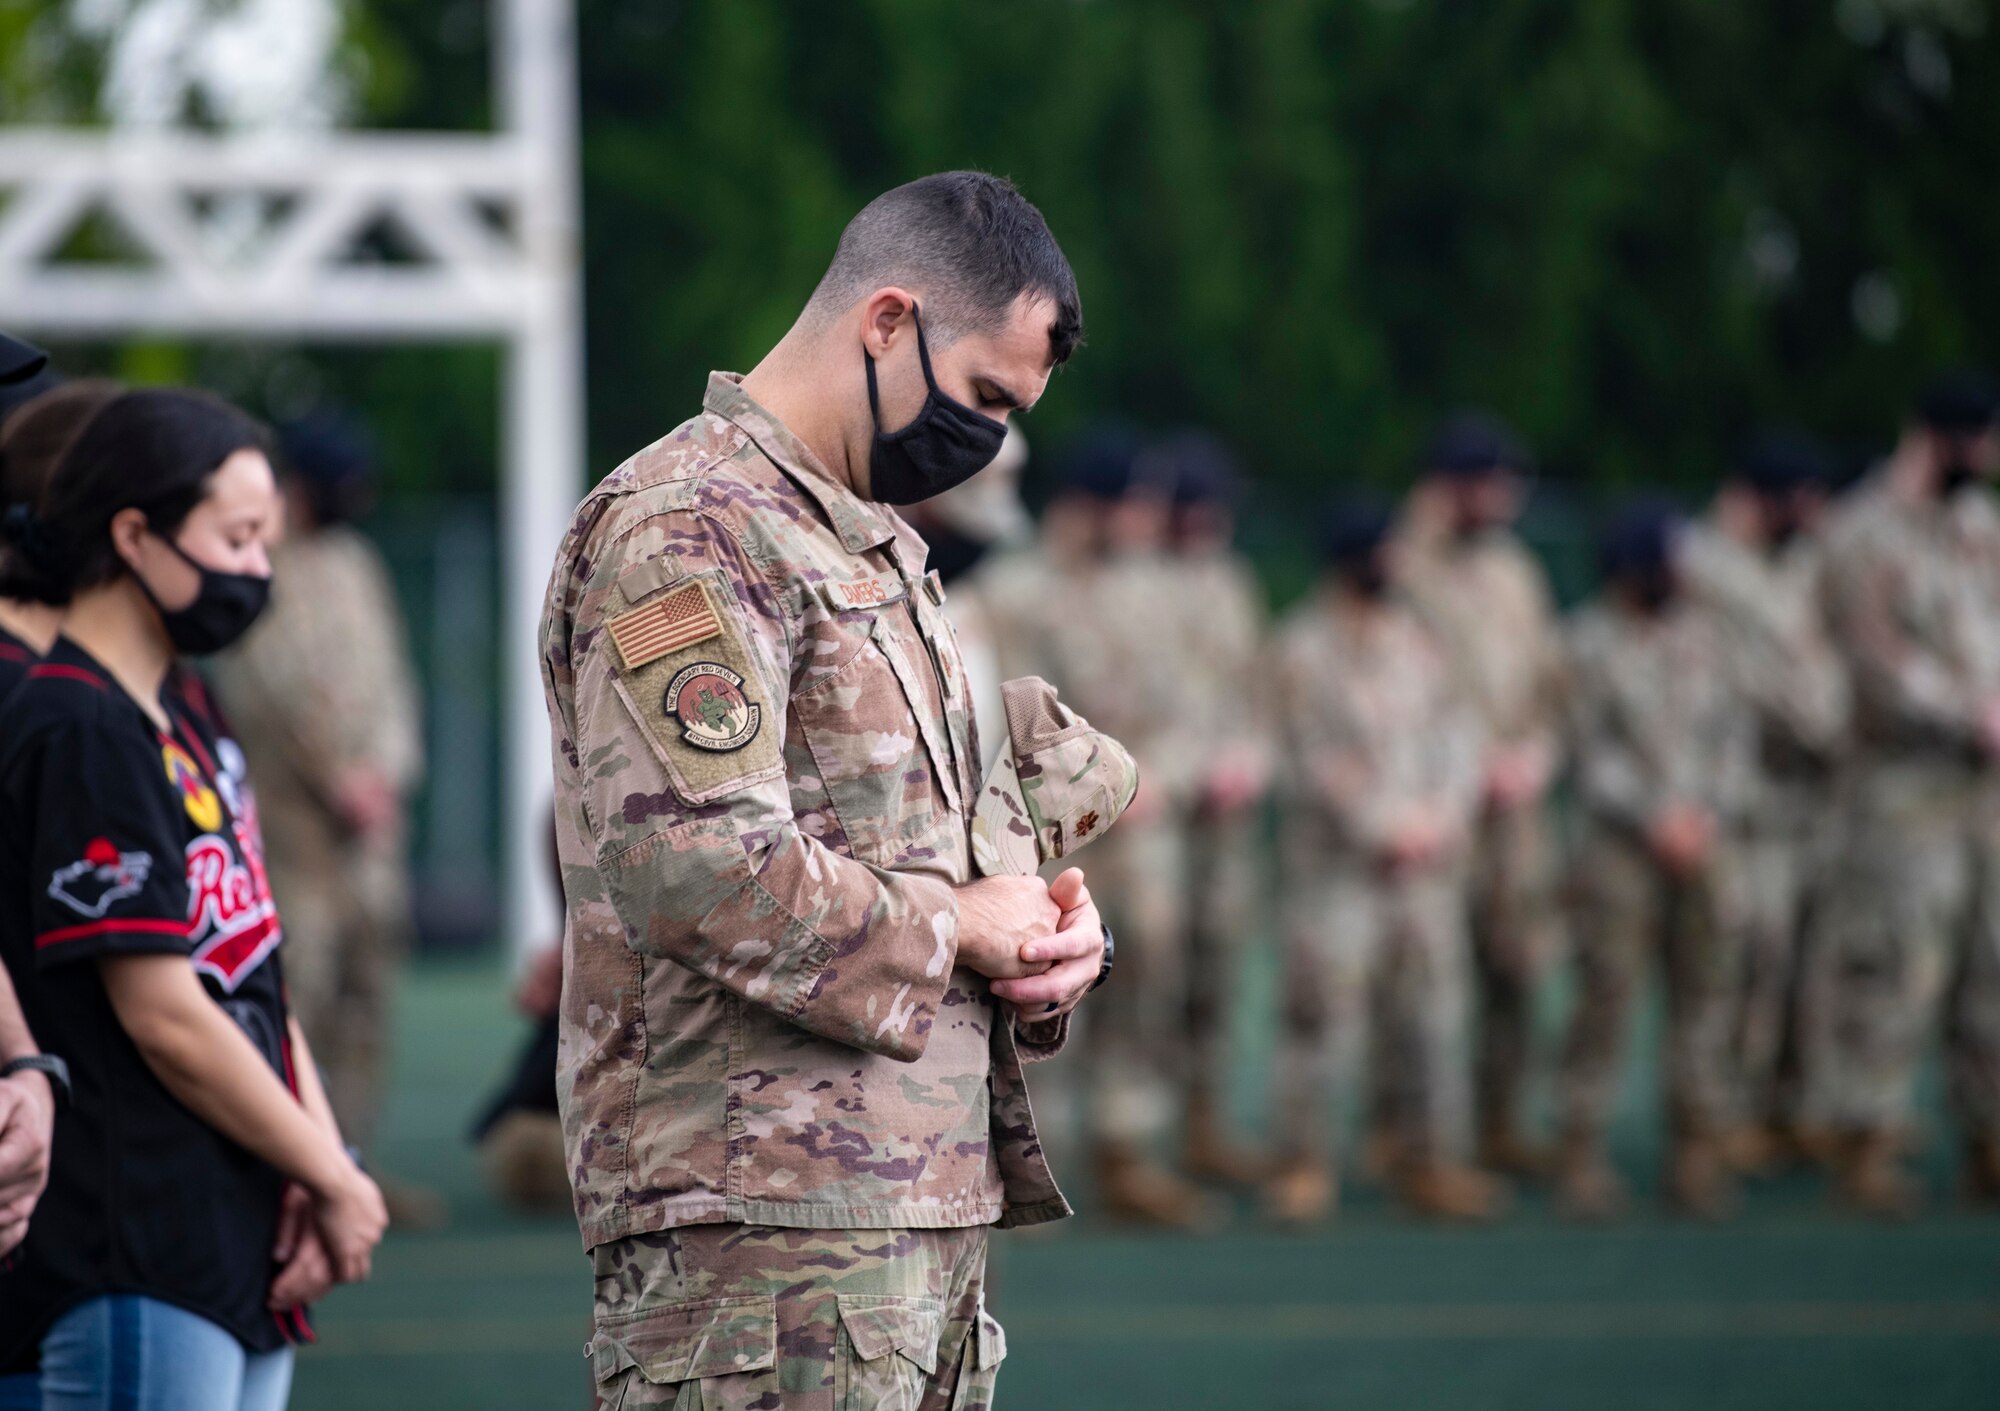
(1057, 785)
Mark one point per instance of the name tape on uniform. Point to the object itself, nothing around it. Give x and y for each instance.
(678, 620)
(864, 592)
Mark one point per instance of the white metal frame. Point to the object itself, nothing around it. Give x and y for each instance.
(494, 221)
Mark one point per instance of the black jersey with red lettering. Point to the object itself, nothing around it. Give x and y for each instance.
(117, 838)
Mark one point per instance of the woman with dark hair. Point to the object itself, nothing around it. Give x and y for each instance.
(200, 1195)
(32, 441)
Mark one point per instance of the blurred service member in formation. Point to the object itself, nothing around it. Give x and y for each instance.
(1383, 754)
(1665, 754)
(1487, 597)
(200, 1194)
(1754, 565)
(1223, 624)
(793, 1025)
(325, 704)
(1112, 635)
(1913, 916)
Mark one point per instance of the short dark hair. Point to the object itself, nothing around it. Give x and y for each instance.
(971, 244)
(39, 433)
(152, 451)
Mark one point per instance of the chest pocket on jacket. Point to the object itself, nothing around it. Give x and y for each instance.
(879, 738)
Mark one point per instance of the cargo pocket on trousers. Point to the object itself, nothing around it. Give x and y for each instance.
(713, 1354)
(887, 1351)
(979, 1366)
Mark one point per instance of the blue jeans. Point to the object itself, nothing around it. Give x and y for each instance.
(123, 1352)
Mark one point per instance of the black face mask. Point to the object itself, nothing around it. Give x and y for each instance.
(1368, 578)
(946, 445)
(1958, 474)
(222, 610)
(1653, 589)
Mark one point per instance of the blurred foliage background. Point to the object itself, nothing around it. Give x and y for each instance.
(1635, 228)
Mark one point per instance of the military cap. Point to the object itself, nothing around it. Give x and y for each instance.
(1639, 539)
(19, 361)
(1470, 444)
(1101, 463)
(1351, 529)
(1058, 785)
(1778, 459)
(334, 457)
(1960, 403)
(1199, 467)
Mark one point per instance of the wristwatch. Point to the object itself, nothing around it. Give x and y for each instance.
(1104, 970)
(49, 1066)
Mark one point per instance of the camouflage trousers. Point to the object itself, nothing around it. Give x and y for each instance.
(1783, 1021)
(1225, 887)
(1515, 934)
(1365, 954)
(1911, 932)
(758, 1318)
(1135, 1038)
(346, 920)
(1627, 910)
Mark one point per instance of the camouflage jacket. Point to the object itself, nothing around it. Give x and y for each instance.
(1373, 722)
(1656, 718)
(765, 767)
(1489, 603)
(1912, 590)
(1767, 611)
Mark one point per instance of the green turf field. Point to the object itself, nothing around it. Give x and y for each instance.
(1790, 1307)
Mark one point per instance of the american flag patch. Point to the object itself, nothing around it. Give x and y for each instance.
(678, 620)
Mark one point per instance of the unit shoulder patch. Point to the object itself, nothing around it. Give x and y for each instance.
(707, 699)
(682, 663)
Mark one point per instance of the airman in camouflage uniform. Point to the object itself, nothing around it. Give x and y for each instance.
(1754, 566)
(1382, 754)
(1913, 917)
(324, 704)
(1664, 749)
(1487, 598)
(793, 1027)
(1224, 622)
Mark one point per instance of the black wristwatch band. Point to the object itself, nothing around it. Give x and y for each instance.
(49, 1066)
(1104, 970)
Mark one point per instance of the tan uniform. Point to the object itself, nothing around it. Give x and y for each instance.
(1767, 606)
(1372, 724)
(765, 766)
(1655, 722)
(320, 687)
(1489, 602)
(1110, 636)
(1224, 624)
(1913, 914)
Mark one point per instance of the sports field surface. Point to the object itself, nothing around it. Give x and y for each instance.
(1792, 1306)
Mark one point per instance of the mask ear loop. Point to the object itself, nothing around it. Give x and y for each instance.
(930, 382)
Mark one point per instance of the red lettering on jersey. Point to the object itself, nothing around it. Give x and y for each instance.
(231, 918)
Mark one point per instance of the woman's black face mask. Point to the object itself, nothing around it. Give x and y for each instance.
(222, 611)
(947, 444)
